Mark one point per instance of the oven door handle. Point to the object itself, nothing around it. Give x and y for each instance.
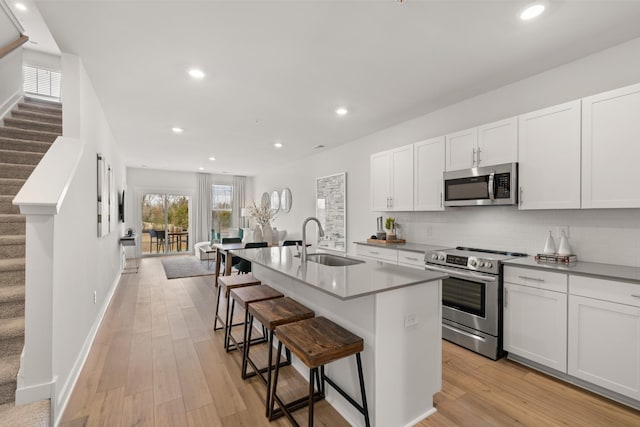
(462, 275)
(491, 185)
(466, 334)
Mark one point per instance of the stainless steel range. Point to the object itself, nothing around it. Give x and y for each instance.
(472, 296)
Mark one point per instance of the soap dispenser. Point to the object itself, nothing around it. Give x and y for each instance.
(550, 245)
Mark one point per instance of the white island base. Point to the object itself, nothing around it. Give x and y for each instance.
(402, 357)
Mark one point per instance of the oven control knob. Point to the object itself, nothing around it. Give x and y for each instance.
(441, 257)
(434, 256)
(473, 263)
(488, 265)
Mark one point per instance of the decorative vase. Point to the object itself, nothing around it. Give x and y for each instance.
(275, 239)
(267, 234)
(257, 234)
(550, 245)
(391, 234)
(564, 248)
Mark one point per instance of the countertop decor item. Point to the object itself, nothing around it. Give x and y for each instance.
(386, 241)
(564, 248)
(390, 228)
(550, 245)
(263, 214)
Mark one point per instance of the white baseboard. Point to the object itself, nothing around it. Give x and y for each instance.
(422, 417)
(8, 105)
(34, 393)
(62, 397)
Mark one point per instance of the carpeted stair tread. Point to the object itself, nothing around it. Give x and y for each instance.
(17, 122)
(9, 366)
(12, 293)
(12, 246)
(29, 135)
(40, 107)
(11, 171)
(20, 157)
(11, 328)
(9, 239)
(23, 145)
(7, 206)
(36, 414)
(37, 116)
(11, 264)
(10, 186)
(44, 102)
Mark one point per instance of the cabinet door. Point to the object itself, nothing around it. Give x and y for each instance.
(380, 181)
(461, 149)
(498, 142)
(380, 254)
(549, 155)
(604, 344)
(428, 163)
(611, 149)
(535, 325)
(402, 178)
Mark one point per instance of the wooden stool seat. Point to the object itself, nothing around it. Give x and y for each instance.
(226, 284)
(244, 296)
(317, 342)
(271, 314)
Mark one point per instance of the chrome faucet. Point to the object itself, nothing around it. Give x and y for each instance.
(303, 256)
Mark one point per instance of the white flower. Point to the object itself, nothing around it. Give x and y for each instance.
(262, 214)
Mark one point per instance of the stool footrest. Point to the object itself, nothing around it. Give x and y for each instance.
(300, 403)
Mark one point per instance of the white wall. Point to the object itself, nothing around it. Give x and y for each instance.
(593, 234)
(83, 263)
(42, 60)
(10, 80)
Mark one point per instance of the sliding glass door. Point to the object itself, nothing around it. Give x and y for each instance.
(165, 224)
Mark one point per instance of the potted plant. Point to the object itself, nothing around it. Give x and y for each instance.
(390, 228)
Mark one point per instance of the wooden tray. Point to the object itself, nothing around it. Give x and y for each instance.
(386, 242)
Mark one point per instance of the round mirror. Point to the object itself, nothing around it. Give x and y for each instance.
(266, 200)
(285, 200)
(275, 201)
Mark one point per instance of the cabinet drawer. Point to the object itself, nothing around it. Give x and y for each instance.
(606, 290)
(536, 278)
(411, 258)
(384, 254)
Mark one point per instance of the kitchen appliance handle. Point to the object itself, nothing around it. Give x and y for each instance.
(466, 334)
(473, 157)
(635, 296)
(491, 183)
(471, 276)
(506, 297)
(535, 279)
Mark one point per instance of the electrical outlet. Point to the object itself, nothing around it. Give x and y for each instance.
(410, 320)
(95, 297)
(560, 229)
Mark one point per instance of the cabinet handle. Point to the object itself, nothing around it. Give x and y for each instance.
(387, 202)
(373, 252)
(635, 296)
(535, 279)
(415, 259)
(390, 202)
(441, 199)
(506, 298)
(473, 157)
(478, 158)
(520, 201)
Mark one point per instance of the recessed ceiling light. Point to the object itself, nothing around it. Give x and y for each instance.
(318, 146)
(532, 10)
(341, 111)
(21, 7)
(196, 74)
(212, 158)
(201, 168)
(177, 130)
(277, 144)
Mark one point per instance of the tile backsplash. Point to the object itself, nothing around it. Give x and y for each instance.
(604, 235)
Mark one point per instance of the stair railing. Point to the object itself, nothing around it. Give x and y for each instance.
(22, 39)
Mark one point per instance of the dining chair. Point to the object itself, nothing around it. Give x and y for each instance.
(243, 266)
(228, 240)
(161, 236)
(292, 242)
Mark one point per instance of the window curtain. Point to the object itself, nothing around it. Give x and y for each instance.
(239, 183)
(202, 218)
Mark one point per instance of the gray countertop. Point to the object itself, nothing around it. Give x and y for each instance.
(592, 269)
(352, 281)
(411, 247)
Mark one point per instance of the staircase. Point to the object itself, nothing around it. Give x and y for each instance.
(24, 139)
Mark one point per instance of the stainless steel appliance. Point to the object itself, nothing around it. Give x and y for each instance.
(489, 185)
(471, 296)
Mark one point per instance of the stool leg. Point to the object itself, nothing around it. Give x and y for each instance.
(313, 373)
(227, 327)
(246, 338)
(275, 382)
(270, 361)
(215, 319)
(364, 396)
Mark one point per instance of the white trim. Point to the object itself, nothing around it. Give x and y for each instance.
(12, 17)
(8, 105)
(34, 393)
(63, 396)
(422, 417)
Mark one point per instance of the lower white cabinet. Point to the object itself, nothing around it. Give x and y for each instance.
(380, 254)
(604, 334)
(535, 318)
(411, 259)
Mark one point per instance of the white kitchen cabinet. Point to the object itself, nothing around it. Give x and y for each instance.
(428, 167)
(535, 316)
(380, 254)
(491, 144)
(604, 334)
(392, 179)
(411, 259)
(549, 157)
(461, 149)
(498, 142)
(610, 149)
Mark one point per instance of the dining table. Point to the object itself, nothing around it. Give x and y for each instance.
(176, 236)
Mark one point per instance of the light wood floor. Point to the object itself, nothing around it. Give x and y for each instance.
(156, 362)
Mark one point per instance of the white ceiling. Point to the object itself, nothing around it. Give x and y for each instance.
(276, 70)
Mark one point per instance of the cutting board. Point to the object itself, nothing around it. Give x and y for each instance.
(386, 242)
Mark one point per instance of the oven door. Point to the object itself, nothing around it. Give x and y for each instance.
(470, 299)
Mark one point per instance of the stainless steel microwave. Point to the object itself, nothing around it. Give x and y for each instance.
(488, 185)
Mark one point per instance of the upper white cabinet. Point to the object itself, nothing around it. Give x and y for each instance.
(611, 149)
(487, 145)
(392, 179)
(461, 149)
(428, 159)
(549, 156)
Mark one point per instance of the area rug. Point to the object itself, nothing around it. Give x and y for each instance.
(185, 266)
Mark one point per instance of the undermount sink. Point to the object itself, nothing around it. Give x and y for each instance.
(332, 260)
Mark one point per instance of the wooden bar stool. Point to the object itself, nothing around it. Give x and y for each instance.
(245, 296)
(226, 284)
(317, 342)
(271, 314)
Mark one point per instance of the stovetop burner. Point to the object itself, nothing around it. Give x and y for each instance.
(492, 251)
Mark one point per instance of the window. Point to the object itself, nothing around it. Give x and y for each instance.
(222, 207)
(41, 82)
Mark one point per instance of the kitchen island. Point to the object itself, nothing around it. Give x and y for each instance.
(396, 310)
